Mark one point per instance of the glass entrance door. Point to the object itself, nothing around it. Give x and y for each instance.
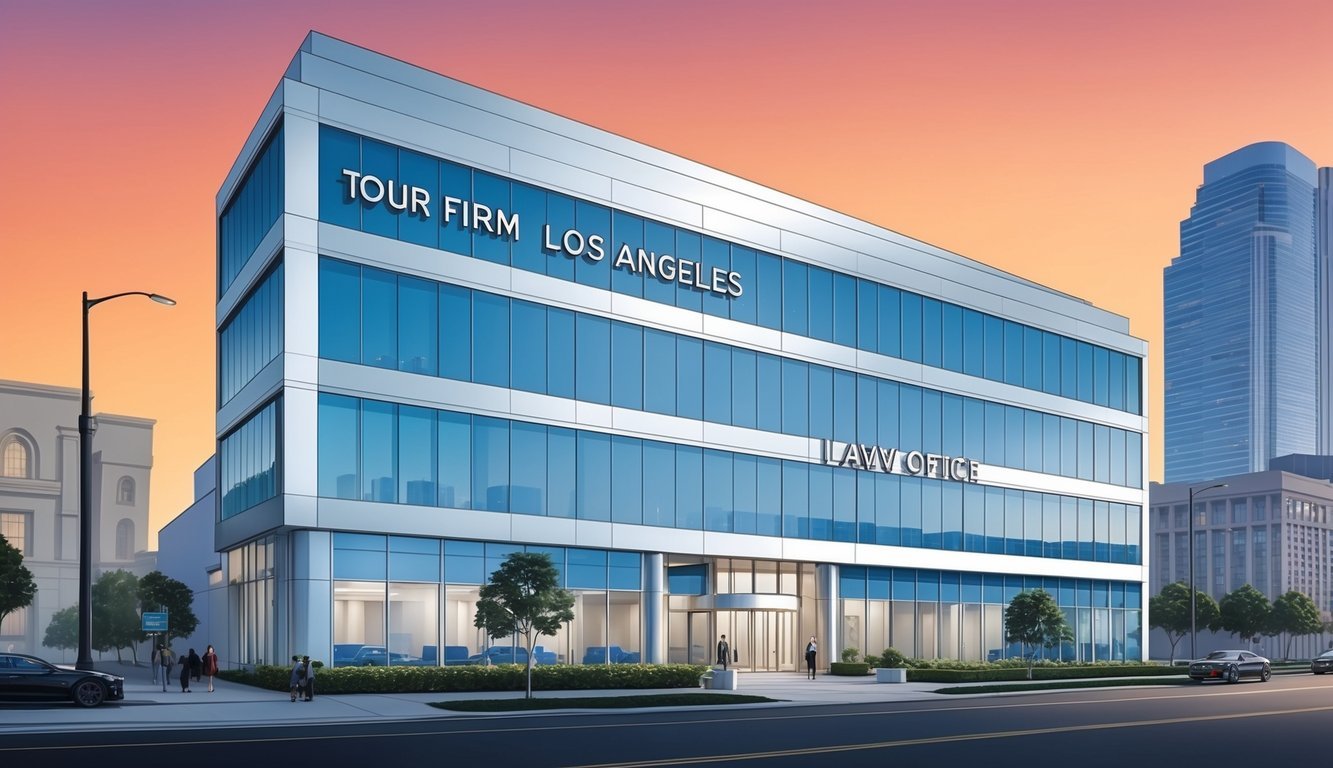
(762, 640)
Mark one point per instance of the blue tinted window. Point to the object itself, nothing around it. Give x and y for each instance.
(768, 490)
(931, 332)
(661, 240)
(716, 260)
(559, 220)
(890, 321)
(995, 442)
(688, 247)
(1050, 363)
(796, 499)
(865, 507)
(744, 308)
(490, 356)
(455, 457)
(688, 579)
(852, 582)
(418, 302)
(1133, 384)
(951, 337)
(527, 468)
(844, 406)
(867, 316)
(528, 351)
(844, 309)
(743, 388)
(821, 503)
(339, 311)
(1050, 444)
(717, 491)
(1085, 372)
(559, 352)
(561, 451)
(1014, 443)
(974, 340)
(338, 439)
(1085, 452)
(689, 488)
(821, 303)
(490, 464)
(909, 499)
(717, 383)
(769, 390)
(867, 411)
(627, 470)
(911, 327)
(974, 429)
(659, 382)
(1032, 358)
(594, 483)
(795, 311)
(932, 440)
(1032, 439)
(587, 568)
(795, 397)
(627, 366)
(464, 562)
(744, 469)
(379, 451)
(625, 570)
(909, 417)
(455, 182)
(1101, 376)
(590, 268)
(768, 290)
(659, 484)
(888, 510)
(821, 401)
(530, 208)
(951, 425)
(359, 557)
(338, 150)
(455, 332)
(627, 233)
(994, 349)
(421, 172)
(414, 559)
(380, 160)
(593, 349)
(1013, 353)
(1116, 381)
(1068, 368)
(416, 452)
(689, 378)
(379, 318)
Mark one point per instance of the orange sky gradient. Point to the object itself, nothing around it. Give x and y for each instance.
(1061, 141)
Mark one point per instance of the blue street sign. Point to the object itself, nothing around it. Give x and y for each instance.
(155, 622)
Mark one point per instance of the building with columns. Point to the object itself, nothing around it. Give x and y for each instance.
(452, 326)
(39, 501)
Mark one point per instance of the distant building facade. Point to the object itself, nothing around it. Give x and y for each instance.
(186, 553)
(1242, 320)
(39, 501)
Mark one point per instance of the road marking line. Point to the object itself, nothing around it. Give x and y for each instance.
(944, 739)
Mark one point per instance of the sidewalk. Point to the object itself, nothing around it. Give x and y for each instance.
(146, 706)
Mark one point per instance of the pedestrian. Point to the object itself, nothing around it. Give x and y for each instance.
(166, 659)
(309, 678)
(210, 666)
(811, 648)
(723, 652)
(196, 665)
(153, 662)
(185, 675)
(297, 681)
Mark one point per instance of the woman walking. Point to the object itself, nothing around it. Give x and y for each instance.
(210, 666)
(185, 675)
(196, 665)
(811, 648)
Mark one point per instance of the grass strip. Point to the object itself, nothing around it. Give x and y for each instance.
(1059, 684)
(599, 702)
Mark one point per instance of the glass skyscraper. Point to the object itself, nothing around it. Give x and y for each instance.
(1242, 318)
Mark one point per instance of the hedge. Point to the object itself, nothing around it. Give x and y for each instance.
(1039, 672)
(501, 677)
(849, 668)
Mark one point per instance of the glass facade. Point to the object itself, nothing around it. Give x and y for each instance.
(374, 317)
(776, 292)
(250, 213)
(928, 614)
(1242, 318)
(249, 456)
(252, 337)
(377, 451)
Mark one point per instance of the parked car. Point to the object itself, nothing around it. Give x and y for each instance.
(1231, 666)
(1322, 663)
(28, 678)
(377, 656)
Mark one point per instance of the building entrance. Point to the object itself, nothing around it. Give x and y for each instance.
(762, 641)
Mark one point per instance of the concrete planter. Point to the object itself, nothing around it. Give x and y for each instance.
(727, 680)
(890, 675)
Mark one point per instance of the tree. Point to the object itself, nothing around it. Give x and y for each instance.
(17, 588)
(63, 631)
(1034, 619)
(1243, 613)
(116, 612)
(1170, 612)
(159, 592)
(1295, 614)
(524, 598)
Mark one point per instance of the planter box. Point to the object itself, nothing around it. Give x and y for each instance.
(891, 675)
(727, 680)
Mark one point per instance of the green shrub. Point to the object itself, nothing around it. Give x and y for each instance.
(850, 655)
(891, 658)
(501, 677)
(871, 661)
(849, 669)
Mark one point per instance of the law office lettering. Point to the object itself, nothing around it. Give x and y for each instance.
(572, 242)
(874, 458)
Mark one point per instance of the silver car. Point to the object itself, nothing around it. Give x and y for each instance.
(1231, 666)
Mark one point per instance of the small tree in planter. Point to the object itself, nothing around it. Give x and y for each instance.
(892, 659)
(524, 597)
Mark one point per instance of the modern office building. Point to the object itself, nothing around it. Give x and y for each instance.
(1242, 319)
(452, 326)
(1269, 529)
(39, 501)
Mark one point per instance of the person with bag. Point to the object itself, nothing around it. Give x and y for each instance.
(196, 665)
(297, 680)
(811, 648)
(723, 652)
(210, 666)
(166, 659)
(309, 670)
(185, 674)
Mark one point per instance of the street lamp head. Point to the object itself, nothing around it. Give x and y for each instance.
(160, 299)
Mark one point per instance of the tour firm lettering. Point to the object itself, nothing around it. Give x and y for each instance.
(873, 458)
(572, 242)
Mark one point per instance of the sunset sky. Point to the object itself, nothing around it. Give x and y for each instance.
(1061, 140)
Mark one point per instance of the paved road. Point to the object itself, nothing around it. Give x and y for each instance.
(1248, 724)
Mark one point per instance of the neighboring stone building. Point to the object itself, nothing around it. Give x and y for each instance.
(39, 500)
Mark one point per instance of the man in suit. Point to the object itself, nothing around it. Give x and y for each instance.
(811, 648)
(723, 652)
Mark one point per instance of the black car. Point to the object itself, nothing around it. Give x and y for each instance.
(28, 678)
(1231, 666)
(1322, 663)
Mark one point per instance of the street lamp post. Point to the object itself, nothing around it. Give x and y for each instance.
(85, 488)
(1194, 630)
